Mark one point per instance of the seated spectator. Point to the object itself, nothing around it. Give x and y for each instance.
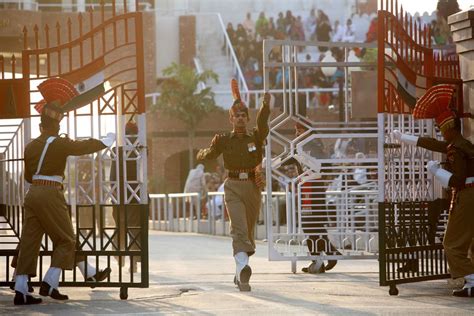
(323, 30)
(249, 25)
(231, 34)
(288, 21)
(280, 23)
(371, 35)
(241, 33)
(310, 23)
(196, 183)
(349, 33)
(338, 32)
(261, 25)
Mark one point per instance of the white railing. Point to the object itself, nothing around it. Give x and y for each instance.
(199, 70)
(255, 95)
(188, 212)
(230, 53)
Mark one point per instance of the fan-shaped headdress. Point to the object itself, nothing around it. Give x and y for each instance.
(56, 93)
(238, 105)
(436, 104)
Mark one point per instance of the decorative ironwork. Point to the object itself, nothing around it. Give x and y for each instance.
(411, 222)
(112, 51)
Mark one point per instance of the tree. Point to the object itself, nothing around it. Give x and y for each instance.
(182, 98)
(447, 8)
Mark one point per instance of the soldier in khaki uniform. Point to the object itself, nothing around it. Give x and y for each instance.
(45, 207)
(242, 151)
(457, 174)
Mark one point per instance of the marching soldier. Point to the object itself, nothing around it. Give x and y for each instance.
(45, 207)
(457, 174)
(242, 151)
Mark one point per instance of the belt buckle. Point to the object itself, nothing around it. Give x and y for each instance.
(243, 175)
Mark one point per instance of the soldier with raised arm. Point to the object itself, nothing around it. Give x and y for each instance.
(457, 174)
(242, 151)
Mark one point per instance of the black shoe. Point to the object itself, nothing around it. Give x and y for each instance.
(411, 265)
(245, 275)
(100, 276)
(22, 299)
(464, 292)
(45, 291)
(331, 264)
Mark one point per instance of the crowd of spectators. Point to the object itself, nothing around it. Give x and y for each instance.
(247, 41)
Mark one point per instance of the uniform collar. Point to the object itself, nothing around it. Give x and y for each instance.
(232, 134)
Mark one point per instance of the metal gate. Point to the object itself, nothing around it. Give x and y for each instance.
(331, 205)
(106, 191)
(412, 208)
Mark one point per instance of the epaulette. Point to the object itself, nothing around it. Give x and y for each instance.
(63, 135)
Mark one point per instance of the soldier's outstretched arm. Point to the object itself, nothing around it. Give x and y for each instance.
(424, 142)
(213, 151)
(83, 147)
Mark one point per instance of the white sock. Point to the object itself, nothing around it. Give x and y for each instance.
(91, 271)
(469, 281)
(241, 260)
(21, 284)
(52, 277)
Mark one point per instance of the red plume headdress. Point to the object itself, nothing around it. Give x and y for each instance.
(436, 104)
(238, 105)
(56, 92)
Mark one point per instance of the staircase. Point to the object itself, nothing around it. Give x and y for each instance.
(210, 40)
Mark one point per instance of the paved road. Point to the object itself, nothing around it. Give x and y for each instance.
(192, 274)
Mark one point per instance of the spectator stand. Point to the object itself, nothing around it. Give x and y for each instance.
(412, 213)
(90, 190)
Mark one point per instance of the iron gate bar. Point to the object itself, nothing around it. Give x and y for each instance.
(410, 231)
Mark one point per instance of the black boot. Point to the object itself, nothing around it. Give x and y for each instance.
(245, 275)
(411, 265)
(464, 292)
(100, 276)
(45, 290)
(22, 299)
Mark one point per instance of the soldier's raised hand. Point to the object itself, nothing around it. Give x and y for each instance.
(267, 98)
(404, 138)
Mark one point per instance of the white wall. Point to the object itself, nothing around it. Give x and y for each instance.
(167, 42)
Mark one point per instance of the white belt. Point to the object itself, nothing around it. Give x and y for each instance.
(58, 179)
(470, 180)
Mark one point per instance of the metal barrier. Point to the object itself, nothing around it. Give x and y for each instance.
(412, 213)
(187, 212)
(107, 191)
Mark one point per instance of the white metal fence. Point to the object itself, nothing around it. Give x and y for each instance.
(190, 212)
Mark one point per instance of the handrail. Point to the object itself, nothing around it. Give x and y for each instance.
(257, 93)
(199, 70)
(241, 79)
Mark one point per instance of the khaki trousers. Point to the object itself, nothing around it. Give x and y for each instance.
(243, 200)
(46, 212)
(459, 234)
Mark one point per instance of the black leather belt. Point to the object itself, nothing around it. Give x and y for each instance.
(241, 175)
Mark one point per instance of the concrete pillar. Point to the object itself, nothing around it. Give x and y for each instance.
(462, 27)
(81, 5)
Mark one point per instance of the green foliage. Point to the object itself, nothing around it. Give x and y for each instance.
(180, 95)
